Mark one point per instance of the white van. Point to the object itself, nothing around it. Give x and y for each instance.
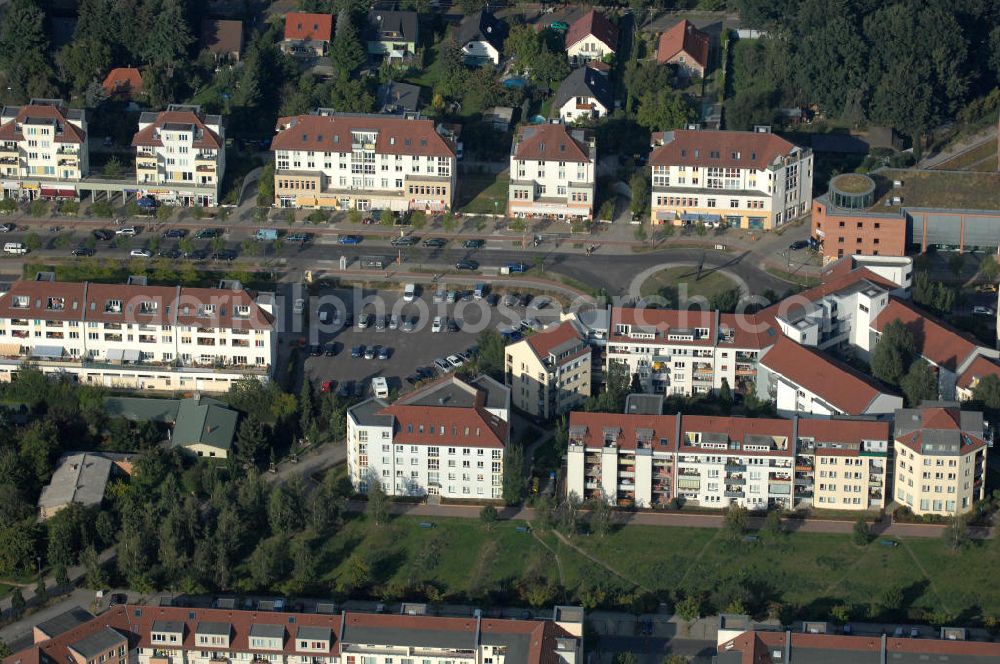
(380, 387)
(409, 292)
(14, 248)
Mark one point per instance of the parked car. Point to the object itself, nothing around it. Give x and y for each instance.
(364, 320)
(224, 255)
(197, 254)
(408, 325)
(7, 228)
(349, 239)
(394, 322)
(451, 297)
(981, 310)
(516, 268)
(172, 254)
(346, 389)
(798, 244)
(407, 241)
(466, 265)
(454, 360)
(299, 237)
(473, 244)
(127, 231)
(102, 234)
(435, 242)
(175, 233)
(299, 306)
(436, 325)
(383, 353)
(83, 251)
(141, 253)
(370, 352)
(358, 351)
(439, 295)
(315, 350)
(510, 300)
(452, 326)
(330, 349)
(207, 234)
(442, 365)
(328, 386)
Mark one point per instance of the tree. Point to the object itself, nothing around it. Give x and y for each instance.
(639, 185)
(689, 608)
(61, 576)
(862, 533)
(347, 52)
(726, 301)
(306, 409)
(378, 501)
(285, 509)
(772, 525)
(987, 392)
(919, 384)
(989, 269)
(17, 602)
(488, 516)
(491, 353)
(841, 613)
(251, 443)
(737, 519)
(663, 110)
(600, 515)
(41, 591)
(626, 658)
(956, 533)
(39, 445)
(892, 354)
(94, 575)
(23, 48)
(726, 395)
(514, 482)
(169, 37)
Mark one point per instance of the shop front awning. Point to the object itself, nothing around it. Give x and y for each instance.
(10, 349)
(665, 215)
(49, 192)
(48, 352)
(123, 355)
(695, 217)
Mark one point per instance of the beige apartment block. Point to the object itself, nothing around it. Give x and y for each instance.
(549, 372)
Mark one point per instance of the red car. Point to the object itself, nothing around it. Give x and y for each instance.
(328, 386)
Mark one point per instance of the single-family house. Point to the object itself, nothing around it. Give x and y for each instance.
(584, 95)
(392, 33)
(686, 47)
(395, 98)
(122, 83)
(591, 37)
(307, 35)
(481, 36)
(223, 38)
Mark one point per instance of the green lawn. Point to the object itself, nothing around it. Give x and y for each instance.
(981, 158)
(710, 284)
(806, 573)
(482, 194)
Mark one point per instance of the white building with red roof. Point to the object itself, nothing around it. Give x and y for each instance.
(307, 35)
(549, 372)
(649, 460)
(553, 173)
(180, 155)
(748, 179)
(350, 161)
(591, 37)
(686, 47)
(446, 439)
(135, 336)
(43, 149)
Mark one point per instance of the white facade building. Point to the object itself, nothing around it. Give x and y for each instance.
(136, 336)
(364, 162)
(180, 156)
(43, 149)
(447, 439)
(752, 180)
(553, 173)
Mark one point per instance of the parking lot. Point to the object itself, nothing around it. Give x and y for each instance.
(412, 342)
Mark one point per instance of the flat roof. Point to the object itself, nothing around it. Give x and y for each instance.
(946, 190)
(97, 643)
(65, 621)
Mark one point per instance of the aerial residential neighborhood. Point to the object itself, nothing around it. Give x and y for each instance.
(341, 332)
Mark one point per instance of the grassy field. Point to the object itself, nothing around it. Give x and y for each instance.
(803, 573)
(980, 158)
(709, 285)
(482, 194)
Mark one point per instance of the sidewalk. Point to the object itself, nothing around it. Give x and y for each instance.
(75, 574)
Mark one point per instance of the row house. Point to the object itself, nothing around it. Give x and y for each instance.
(143, 634)
(686, 352)
(940, 458)
(650, 460)
(751, 180)
(446, 439)
(137, 336)
(350, 161)
(553, 173)
(43, 149)
(180, 156)
(549, 373)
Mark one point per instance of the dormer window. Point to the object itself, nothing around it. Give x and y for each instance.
(147, 307)
(56, 304)
(113, 307)
(21, 302)
(241, 311)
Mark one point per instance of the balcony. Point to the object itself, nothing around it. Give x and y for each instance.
(733, 493)
(205, 169)
(689, 472)
(736, 480)
(734, 467)
(780, 477)
(875, 480)
(876, 470)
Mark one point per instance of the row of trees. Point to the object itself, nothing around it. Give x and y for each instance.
(895, 362)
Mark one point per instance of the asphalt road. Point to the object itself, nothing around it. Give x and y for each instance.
(607, 270)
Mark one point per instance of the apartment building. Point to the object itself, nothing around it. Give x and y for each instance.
(43, 150)
(144, 634)
(362, 162)
(548, 373)
(446, 439)
(180, 156)
(940, 458)
(135, 336)
(649, 460)
(748, 179)
(801, 380)
(685, 352)
(552, 173)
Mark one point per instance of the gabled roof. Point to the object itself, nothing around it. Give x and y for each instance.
(333, 133)
(723, 149)
(190, 116)
(556, 339)
(935, 341)
(482, 26)
(222, 37)
(980, 368)
(657, 432)
(123, 81)
(842, 387)
(395, 97)
(551, 142)
(663, 322)
(584, 82)
(206, 422)
(392, 26)
(683, 37)
(79, 478)
(308, 27)
(42, 111)
(593, 23)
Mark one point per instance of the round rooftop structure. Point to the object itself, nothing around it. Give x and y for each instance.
(852, 191)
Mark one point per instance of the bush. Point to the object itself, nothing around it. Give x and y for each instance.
(164, 212)
(862, 533)
(69, 207)
(8, 205)
(38, 208)
(318, 217)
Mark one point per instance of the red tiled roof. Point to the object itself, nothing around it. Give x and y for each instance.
(663, 321)
(123, 81)
(935, 341)
(308, 27)
(748, 331)
(937, 417)
(690, 147)
(683, 37)
(549, 142)
(70, 133)
(980, 368)
(842, 387)
(332, 133)
(543, 342)
(147, 136)
(593, 23)
(842, 431)
(664, 428)
(87, 301)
